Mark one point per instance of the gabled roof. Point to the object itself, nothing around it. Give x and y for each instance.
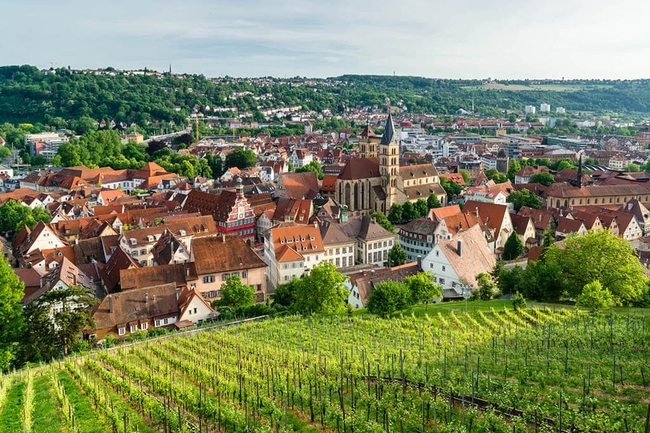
(418, 171)
(365, 228)
(136, 306)
(300, 185)
(153, 275)
(68, 273)
(541, 218)
(360, 168)
(420, 226)
(187, 296)
(476, 256)
(520, 223)
(295, 210)
(118, 261)
(332, 234)
(365, 281)
(437, 214)
(223, 254)
(490, 214)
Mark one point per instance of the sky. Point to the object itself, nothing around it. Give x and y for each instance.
(502, 39)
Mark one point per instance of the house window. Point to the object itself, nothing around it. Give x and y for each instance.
(443, 269)
(133, 328)
(244, 274)
(441, 280)
(194, 310)
(224, 277)
(121, 331)
(143, 251)
(144, 326)
(208, 279)
(165, 321)
(157, 323)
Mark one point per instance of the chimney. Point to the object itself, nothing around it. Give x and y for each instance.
(460, 248)
(187, 271)
(419, 262)
(146, 298)
(110, 303)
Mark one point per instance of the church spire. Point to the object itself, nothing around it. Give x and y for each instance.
(389, 130)
(579, 180)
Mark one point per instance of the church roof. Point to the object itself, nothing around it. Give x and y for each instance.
(389, 130)
(360, 168)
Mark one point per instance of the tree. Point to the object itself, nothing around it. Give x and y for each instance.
(513, 247)
(11, 321)
(421, 208)
(565, 163)
(509, 280)
(312, 166)
(545, 179)
(466, 176)
(524, 197)
(396, 256)
(451, 188)
(486, 286)
(56, 320)
(14, 215)
(595, 297)
(408, 212)
(236, 294)
(633, 167)
(423, 288)
(241, 158)
(323, 291)
(600, 256)
(285, 294)
(514, 167)
(494, 175)
(388, 297)
(518, 301)
(433, 202)
(383, 221)
(395, 214)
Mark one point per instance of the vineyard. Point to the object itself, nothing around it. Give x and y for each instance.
(496, 370)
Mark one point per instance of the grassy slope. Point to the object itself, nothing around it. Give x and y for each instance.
(85, 414)
(47, 417)
(10, 417)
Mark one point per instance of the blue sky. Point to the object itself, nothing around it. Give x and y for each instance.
(285, 38)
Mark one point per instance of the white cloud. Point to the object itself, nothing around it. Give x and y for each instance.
(467, 38)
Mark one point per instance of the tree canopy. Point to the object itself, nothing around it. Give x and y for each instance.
(524, 198)
(396, 256)
(322, 291)
(14, 215)
(11, 320)
(513, 247)
(241, 158)
(545, 179)
(236, 294)
(388, 297)
(600, 256)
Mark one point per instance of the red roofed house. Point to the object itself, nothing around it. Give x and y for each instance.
(292, 251)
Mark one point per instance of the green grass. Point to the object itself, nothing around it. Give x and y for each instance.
(10, 417)
(86, 416)
(47, 417)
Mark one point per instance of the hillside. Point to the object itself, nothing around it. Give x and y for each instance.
(62, 97)
(491, 370)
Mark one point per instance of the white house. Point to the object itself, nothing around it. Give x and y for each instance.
(455, 263)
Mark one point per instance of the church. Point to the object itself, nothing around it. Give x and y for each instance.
(375, 181)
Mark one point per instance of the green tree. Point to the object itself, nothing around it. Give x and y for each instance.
(423, 288)
(595, 297)
(396, 256)
(241, 158)
(633, 167)
(383, 221)
(235, 294)
(322, 291)
(565, 163)
(545, 179)
(466, 177)
(285, 295)
(542, 281)
(408, 212)
(513, 247)
(388, 297)
(509, 280)
(451, 188)
(395, 214)
(312, 166)
(14, 215)
(433, 202)
(514, 167)
(524, 197)
(421, 208)
(600, 256)
(56, 319)
(494, 175)
(486, 286)
(11, 321)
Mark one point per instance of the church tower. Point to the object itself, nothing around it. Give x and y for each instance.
(368, 143)
(389, 161)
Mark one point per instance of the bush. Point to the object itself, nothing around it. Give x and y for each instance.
(518, 301)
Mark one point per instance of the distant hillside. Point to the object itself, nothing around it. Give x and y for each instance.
(55, 98)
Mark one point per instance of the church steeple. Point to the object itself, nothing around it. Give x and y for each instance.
(389, 161)
(579, 179)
